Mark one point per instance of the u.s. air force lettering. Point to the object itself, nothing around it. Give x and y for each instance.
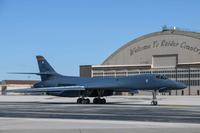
(163, 43)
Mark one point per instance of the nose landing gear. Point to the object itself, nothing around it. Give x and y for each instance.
(154, 101)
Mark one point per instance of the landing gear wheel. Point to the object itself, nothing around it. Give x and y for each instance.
(79, 101)
(103, 101)
(87, 101)
(99, 101)
(95, 100)
(83, 101)
(154, 103)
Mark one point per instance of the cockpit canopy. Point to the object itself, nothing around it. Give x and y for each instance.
(161, 77)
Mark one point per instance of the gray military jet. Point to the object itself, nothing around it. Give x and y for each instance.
(56, 84)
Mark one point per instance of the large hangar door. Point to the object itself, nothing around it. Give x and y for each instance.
(164, 61)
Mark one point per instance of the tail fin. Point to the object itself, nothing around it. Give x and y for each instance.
(46, 70)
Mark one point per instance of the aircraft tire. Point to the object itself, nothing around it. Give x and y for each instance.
(95, 100)
(103, 101)
(83, 101)
(79, 101)
(154, 103)
(99, 101)
(87, 101)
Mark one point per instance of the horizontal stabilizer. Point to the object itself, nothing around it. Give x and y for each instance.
(45, 73)
(48, 89)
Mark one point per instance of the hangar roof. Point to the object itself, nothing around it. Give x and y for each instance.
(195, 35)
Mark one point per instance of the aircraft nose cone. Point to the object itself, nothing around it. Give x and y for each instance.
(184, 86)
(181, 85)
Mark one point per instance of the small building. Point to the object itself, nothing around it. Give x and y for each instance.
(16, 84)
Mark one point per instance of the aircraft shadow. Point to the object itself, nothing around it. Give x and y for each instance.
(107, 104)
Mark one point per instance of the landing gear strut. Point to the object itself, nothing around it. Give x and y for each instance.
(98, 100)
(83, 100)
(154, 101)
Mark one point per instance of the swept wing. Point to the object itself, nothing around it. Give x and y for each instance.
(48, 89)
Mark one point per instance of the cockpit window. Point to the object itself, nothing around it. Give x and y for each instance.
(161, 77)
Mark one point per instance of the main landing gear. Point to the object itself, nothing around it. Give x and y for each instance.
(99, 100)
(96, 100)
(83, 100)
(154, 101)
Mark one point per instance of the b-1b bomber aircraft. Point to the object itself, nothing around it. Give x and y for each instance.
(56, 84)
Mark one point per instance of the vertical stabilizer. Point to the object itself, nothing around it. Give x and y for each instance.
(46, 70)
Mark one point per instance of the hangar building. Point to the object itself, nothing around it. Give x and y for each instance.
(172, 52)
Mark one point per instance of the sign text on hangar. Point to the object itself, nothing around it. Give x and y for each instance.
(164, 43)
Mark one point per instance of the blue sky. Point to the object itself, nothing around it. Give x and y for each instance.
(70, 33)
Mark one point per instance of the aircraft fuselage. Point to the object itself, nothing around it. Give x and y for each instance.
(109, 84)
